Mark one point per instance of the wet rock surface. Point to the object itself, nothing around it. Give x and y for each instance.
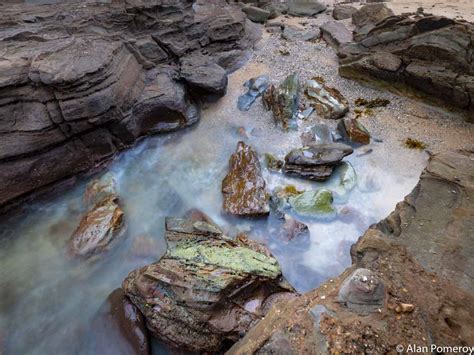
(424, 55)
(244, 187)
(353, 131)
(79, 82)
(406, 293)
(119, 328)
(256, 87)
(283, 101)
(207, 289)
(328, 102)
(315, 162)
(103, 224)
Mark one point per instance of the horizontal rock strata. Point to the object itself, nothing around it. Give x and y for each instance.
(79, 82)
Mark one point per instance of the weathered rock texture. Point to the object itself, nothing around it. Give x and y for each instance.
(316, 161)
(78, 82)
(207, 288)
(244, 187)
(430, 55)
(410, 276)
(103, 224)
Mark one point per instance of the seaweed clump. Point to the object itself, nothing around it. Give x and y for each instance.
(378, 102)
(412, 143)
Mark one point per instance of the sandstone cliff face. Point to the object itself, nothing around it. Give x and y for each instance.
(410, 281)
(79, 82)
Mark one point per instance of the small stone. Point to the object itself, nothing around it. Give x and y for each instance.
(328, 102)
(404, 308)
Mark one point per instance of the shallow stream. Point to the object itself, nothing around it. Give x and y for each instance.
(47, 300)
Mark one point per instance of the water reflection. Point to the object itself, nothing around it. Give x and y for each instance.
(48, 300)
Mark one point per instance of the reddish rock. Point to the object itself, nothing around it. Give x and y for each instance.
(244, 187)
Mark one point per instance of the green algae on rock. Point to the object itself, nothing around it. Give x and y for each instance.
(313, 203)
(207, 289)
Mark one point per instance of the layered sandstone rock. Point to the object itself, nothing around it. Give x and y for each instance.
(409, 282)
(79, 82)
(429, 55)
(207, 289)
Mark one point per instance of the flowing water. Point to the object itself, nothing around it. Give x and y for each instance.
(47, 300)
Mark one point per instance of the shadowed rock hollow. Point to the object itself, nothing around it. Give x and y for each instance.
(79, 82)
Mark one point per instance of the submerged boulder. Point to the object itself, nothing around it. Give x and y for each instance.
(256, 87)
(103, 224)
(119, 328)
(328, 102)
(313, 203)
(315, 162)
(244, 187)
(207, 289)
(283, 101)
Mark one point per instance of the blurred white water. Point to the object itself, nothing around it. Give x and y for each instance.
(47, 300)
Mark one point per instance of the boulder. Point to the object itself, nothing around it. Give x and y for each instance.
(328, 102)
(342, 12)
(353, 131)
(207, 290)
(119, 328)
(425, 55)
(421, 291)
(244, 187)
(315, 162)
(283, 101)
(103, 224)
(98, 230)
(75, 92)
(335, 33)
(305, 7)
(368, 16)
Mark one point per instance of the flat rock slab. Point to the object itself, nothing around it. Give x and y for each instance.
(336, 33)
(244, 187)
(207, 289)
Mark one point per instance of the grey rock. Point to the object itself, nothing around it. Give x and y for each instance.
(362, 292)
(294, 34)
(256, 87)
(305, 7)
(328, 102)
(336, 33)
(256, 14)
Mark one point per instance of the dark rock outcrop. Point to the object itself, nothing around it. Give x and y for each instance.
(244, 187)
(315, 162)
(305, 7)
(428, 55)
(79, 82)
(421, 253)
(207, 289)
